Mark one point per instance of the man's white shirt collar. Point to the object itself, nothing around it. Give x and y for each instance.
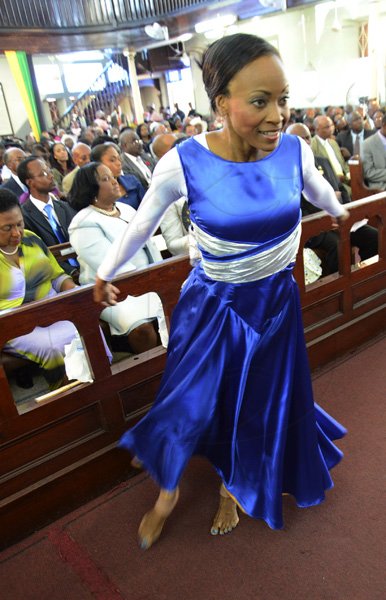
(40, 204)
(138, 161)
(16, 178)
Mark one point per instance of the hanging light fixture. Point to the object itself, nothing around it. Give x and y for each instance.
(157, 31)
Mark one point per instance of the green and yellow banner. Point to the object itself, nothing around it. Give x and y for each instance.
(20, 70)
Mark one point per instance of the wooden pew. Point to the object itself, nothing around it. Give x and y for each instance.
(62, 452)
(56, 455)
(343, 310)
(359, 189)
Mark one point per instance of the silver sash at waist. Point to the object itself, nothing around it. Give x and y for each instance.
(250, 268)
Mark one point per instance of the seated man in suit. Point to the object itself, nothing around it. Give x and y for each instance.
(134, 160)
(362, 236)
(81, 156)
(353, 138)
(43, 214)
(373, 157)
(322, 144)
(12, 158)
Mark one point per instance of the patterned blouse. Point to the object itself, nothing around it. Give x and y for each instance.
(38, 277)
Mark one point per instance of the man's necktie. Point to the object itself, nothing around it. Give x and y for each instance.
(54, 224)
(57, 231)
(357, 146)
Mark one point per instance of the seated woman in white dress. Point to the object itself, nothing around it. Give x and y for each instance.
(92, 231)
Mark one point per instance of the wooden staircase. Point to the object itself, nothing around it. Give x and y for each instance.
(104, 94)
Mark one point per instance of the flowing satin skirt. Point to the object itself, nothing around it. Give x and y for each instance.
(237, 390)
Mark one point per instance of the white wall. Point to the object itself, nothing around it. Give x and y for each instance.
(333, 54)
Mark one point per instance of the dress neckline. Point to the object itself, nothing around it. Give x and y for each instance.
(202, 142)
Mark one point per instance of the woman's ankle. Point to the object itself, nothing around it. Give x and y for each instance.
(166, 501)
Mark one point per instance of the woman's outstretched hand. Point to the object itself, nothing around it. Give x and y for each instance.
(337, 221)
(105, 293)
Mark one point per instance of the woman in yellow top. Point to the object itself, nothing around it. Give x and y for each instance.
(28, 271)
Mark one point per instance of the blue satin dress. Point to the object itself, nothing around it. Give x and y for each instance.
(237, 387)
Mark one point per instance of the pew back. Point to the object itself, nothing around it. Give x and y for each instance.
(359, 189)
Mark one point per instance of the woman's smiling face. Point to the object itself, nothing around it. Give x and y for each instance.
(256, 106)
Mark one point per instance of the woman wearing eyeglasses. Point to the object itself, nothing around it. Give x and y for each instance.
(101, 219)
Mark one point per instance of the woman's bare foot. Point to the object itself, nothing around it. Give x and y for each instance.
(226, 518)
(152, 523)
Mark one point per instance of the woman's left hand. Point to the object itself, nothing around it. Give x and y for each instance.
(105, 293)
(337, 221)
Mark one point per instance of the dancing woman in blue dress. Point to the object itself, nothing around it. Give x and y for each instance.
(236, 387)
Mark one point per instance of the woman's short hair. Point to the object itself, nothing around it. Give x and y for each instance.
(226, 57)
(8, 200)
(85, 186)
(100, 150)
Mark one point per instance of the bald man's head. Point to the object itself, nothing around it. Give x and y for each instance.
(324, 127)
(13, 157)
(300, 130)
(163, 143)
(81, 154)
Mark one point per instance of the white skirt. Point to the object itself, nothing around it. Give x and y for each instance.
(134, 311)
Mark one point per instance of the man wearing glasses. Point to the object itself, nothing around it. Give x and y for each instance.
(134, 160)
(43, 214)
